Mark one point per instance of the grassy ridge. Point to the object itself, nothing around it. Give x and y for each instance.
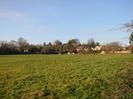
(66, 76)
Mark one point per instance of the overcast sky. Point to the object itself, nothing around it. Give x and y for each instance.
(48, 20)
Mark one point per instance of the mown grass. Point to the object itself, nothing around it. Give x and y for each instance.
(66, 76)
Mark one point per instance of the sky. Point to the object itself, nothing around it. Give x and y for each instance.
(41, 21)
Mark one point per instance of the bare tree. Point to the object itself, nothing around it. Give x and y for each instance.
(58, 46)
(72, 44)
(112, 47)
(23, 45)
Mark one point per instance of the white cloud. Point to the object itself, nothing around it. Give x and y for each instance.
(10, 14)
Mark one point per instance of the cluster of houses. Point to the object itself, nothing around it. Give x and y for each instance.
(99, 49)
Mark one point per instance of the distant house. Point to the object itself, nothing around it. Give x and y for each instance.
(123, 52)
(82, 48)
(97, 48)
(101, 49)
(102, 52)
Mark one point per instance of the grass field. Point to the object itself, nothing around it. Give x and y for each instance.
(66, 76)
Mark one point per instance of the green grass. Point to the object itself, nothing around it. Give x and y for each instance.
(66, 76)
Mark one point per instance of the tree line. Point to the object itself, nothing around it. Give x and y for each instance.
(21, 46)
